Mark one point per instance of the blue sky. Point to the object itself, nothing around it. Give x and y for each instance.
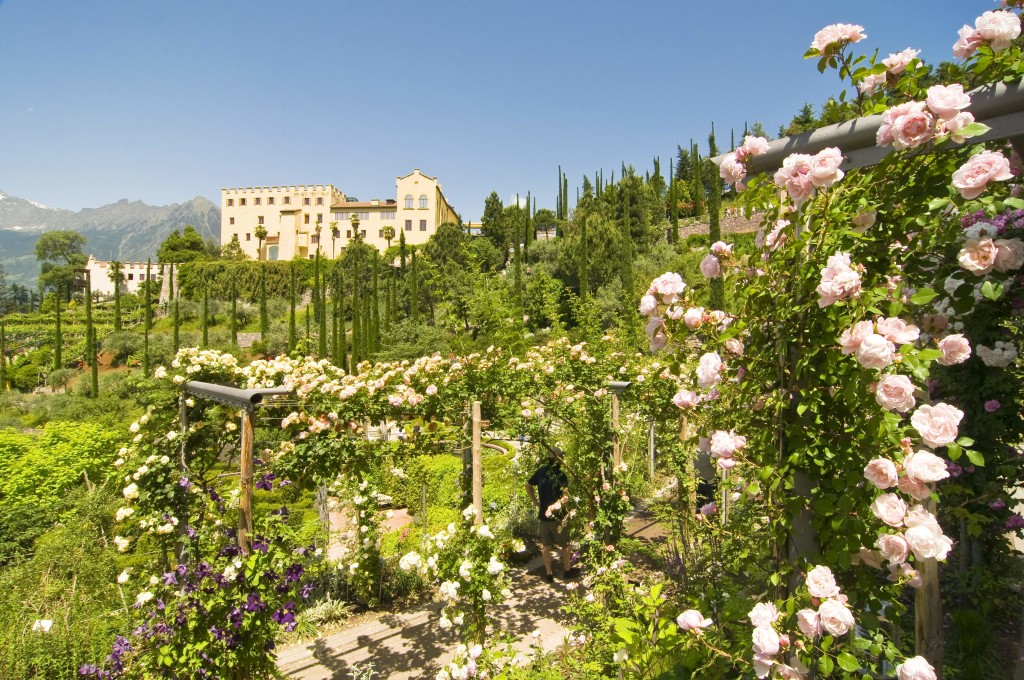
(164, 101)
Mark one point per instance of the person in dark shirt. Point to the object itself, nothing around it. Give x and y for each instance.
(549, 483)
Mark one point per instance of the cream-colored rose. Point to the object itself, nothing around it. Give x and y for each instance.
(809, 622)
(955, 350)
(925, 466)
(937, 424)
(1009, 254)
(893, 548)
(889, 508)
(895, 393)
(881, 472)
(836, 617)
(927, 541)
(821, 583)
(875, 352)
(978, 256)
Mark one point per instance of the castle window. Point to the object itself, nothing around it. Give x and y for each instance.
(231, 202)
(260, 218)
(287, 200)
(248, 237)
(305, 219)
(423, 201)
(381, 234)
(231, 220)
(256, 201)
(305, 201)
(408, 225)
(348, 233)
(270, 200)
(319, 218)
(423, 225)
(241, 201)
(319, 200)
(408, 201)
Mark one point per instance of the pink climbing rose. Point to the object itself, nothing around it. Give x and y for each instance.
(946, 101)
(898, 63)
(937, 424)
(821, 583)
(915, 668)
(839, 281)
(881, 472)
(973, 177)
(837, 34)
(693, 620)
(955, 350)
(978, 255)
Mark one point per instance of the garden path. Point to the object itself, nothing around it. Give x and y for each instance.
(409, 644)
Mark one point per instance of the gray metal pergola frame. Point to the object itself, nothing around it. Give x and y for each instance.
(246, 401)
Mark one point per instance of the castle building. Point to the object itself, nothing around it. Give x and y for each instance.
(132, 276)
(299, 220)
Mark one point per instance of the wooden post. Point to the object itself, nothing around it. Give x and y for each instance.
(650, 450)
(478, 473)
(245, 502)
(616, 453)
(928, 640)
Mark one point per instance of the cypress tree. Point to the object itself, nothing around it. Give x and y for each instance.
(367, 336)
(58, 340)
(177, 317)
(357, 328)
(309, 317)
(393, 293)
(264, 316)
(673, 214)
(375, 308)
(115, 275)
(292, 332)
(147, 317)
(414, 289)
(697, 182)
(565, 197)
(90, 339)
(322, 336)
(317, 309)
(558, 209)
(584, 271)
(234, 312)
(206, 317)
(343, 352)
(717, 298)
(3, 355)
(402, 251)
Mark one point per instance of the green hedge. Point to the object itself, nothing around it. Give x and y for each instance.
(442, 474)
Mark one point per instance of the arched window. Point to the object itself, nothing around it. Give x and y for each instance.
(423, 200)
(408, 201)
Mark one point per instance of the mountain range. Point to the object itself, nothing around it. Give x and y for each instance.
(127, 230)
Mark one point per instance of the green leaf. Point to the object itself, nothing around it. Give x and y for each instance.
(975, 458)
(973, 130)
(774, 578)
(1017, 203)
(965, 441)
(937, 203)
(825, 665)
(929, 354)
(923, 296)
(848, 662)
(954, 451)
(992, 291)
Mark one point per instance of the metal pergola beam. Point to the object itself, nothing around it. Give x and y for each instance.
(246, 401)
(998, 105)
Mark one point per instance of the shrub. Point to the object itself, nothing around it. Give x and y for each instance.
(441, 474)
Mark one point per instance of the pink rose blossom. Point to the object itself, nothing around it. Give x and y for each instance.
(973, 177)
(825, 167)
(906, 573)
(875, 352)
(693, 620)
(917, 490)
(897, 330)
(794, 177)
(895, 393)
(732, 171)
(656, 333)
(1009, 254)
(978, 255)
(955, 350)
(431, 390)
(956, 124)
(821, 583)
(925, 467)
(937, 424)
(734, 346)
(709, 370)
(915, 668)
(725, 444)
(648, 305)
(897, 63)
(693, 317)
(764, 614)
(669, 286)
(837, 34)
(753, 146)
(711, 267)
(685, 399)
(992, 405)
(920, 516)
(870, 83)
(893, 547)
(946, 101)
(675, 313)
(721, 249)
(851, 338)
(766, 641)
(836, 617)
(889, 508)
(809, 623)
(927, 541)
(871, 558)
(839, 281)
(999, 28)
(969, 42)
(864, 221)
(881, 472)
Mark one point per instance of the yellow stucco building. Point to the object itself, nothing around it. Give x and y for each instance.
(299, 218)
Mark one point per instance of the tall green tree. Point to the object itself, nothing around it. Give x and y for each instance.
(186, 246)
(61, 255)
(147, 316)
(206, 317)
(234, 312)
(58, 336)
(264, 314)
(493, 225)
(3, 354)
(90, 340)
(116, 275)
(717, 298)
(261, 235)
(292, 301)
(233, 250)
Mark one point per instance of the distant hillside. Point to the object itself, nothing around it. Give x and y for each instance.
(126, 230)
